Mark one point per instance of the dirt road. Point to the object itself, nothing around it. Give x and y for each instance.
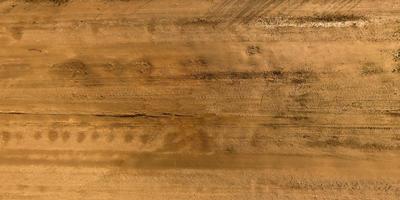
(199, 99)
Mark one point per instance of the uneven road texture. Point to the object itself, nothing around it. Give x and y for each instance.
(199, 99)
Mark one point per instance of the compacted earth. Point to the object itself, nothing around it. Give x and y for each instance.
(199, 99)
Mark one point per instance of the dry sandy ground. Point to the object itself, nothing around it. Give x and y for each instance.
(199, 99)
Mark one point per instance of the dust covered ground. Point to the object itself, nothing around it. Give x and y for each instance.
(199, 99)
